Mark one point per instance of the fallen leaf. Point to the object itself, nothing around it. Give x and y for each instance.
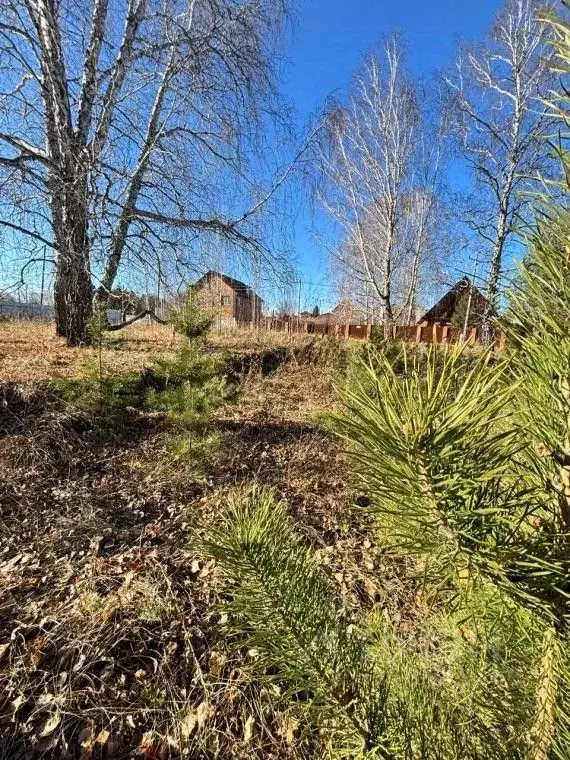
(188, 724)
(50, 725)
(203, 712)
(248, 729)
(287, 728)
(16, 704)
(3, 649)
(194, 719)
(103, 736)
(370, 588)
(128, 579)
(150, 747)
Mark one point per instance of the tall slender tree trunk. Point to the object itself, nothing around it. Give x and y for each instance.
(494, 277)
(73, 291)
(414, 276)
(503, 217)
(387, 267)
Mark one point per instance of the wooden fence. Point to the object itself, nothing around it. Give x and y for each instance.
(410, 333)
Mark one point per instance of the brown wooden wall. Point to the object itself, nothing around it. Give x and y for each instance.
(209, 294)
(229, 307)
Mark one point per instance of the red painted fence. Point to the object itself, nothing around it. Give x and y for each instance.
(411, 333)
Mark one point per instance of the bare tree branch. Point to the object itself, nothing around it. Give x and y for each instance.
(498, 90)
(136, 318)
(28, 233)
(126, 118)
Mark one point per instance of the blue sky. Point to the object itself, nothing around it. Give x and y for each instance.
(327, 44)
(324, 49)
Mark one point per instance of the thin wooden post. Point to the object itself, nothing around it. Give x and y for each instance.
(368, 331)
(445, 334)
(418, 334)
(347, 330)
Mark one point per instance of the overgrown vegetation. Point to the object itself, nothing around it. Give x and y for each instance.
(109, 639)
(467, 469)
(183, 575)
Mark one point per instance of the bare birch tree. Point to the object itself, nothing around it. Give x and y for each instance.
(379, 183)
(498, 89)
(123, 127)
(426, 232)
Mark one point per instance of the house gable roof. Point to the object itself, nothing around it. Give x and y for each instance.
(443, 310)
(237, 285)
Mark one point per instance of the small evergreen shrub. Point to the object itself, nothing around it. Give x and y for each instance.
(187, 387)
(193, 384)
(189, 402)
(190, 320)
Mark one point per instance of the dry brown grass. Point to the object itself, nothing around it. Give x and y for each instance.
(110, 642)
(251, 340)
(31, 352)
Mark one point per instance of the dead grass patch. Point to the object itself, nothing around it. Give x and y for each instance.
(30, 351)
(111, 641)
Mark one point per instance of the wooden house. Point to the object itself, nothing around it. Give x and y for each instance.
(231, 301)
(451, 308)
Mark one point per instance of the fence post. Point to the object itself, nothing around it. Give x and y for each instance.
(445, 334)
(368, 331)
(347, 330)
(473, 336)
(418, 334)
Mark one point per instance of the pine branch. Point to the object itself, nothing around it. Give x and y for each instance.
(432, 450)
(282, 607)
